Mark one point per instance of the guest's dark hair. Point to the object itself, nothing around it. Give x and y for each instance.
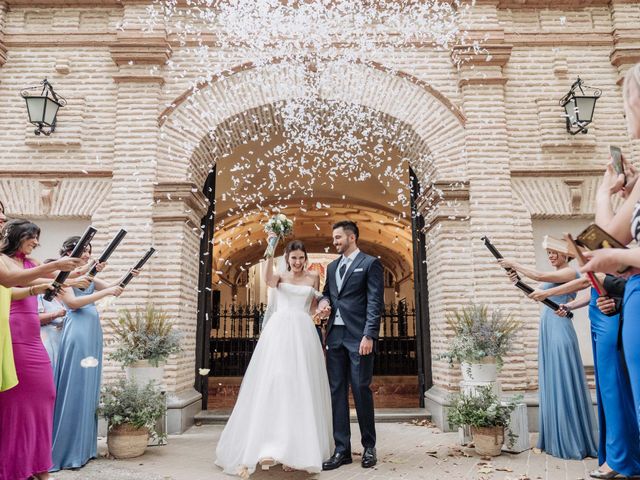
(69, 244)
(348, 226)
(292, 247)
(14, 233)
(1, 207)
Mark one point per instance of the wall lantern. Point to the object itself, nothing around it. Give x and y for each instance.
(43, 108)
(579, 106)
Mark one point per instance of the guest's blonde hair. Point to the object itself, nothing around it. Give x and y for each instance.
(632, 76)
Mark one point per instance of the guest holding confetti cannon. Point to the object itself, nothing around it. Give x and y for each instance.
(566, 421)
(78, 370)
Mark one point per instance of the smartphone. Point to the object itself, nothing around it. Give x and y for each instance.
(593, 237)
(616, 157)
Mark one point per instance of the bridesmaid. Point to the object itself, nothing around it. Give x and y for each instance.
(78, 371)
(26, 410)
(625, 227)
(51, 315)
(566, 421)
(618, 449)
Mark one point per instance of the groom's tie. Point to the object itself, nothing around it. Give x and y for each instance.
(342, 270)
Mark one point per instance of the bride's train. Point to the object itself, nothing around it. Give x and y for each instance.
(283, 411)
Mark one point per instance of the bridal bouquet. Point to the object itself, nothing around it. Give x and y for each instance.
(282, 227)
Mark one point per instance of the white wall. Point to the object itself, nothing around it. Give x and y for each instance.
(53, 233)
(557, 228)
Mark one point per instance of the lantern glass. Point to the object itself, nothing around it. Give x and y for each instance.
(570, 110)
(50, 112)
(35, 107)
(584, 108)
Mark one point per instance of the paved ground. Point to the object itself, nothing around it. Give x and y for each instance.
(405, 451)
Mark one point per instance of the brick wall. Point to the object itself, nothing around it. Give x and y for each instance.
(131, 147)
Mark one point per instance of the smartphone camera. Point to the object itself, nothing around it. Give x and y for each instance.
(616, 157)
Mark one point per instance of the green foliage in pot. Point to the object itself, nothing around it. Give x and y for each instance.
(478, 335)
(127, 403)
(482, 408)
(144, 334)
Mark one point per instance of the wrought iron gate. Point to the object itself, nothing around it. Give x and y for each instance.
(233, 342)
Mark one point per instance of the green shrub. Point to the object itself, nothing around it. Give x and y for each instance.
(125, 402)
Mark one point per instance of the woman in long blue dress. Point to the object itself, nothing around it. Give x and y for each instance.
(566, 421)
(618, 447)
(51, 314)
(78, 372)
(624, 226)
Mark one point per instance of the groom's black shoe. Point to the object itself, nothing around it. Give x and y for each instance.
(369, 458)
(336, 460)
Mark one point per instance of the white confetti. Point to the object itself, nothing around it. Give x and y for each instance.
(89, 362)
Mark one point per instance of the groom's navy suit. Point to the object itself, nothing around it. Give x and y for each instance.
(360, 302)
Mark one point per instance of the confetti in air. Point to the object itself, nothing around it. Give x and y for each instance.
(316, 136)
(89, 362)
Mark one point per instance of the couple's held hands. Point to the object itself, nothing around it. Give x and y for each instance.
(324, 309)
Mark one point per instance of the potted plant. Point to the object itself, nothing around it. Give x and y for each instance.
(131, 412)
(144, 339)
(487, 416)
(480, 341)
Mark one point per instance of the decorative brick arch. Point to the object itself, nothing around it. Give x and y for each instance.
(215, 117)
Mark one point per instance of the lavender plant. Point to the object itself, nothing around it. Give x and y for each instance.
(478, 334)
(144, 334)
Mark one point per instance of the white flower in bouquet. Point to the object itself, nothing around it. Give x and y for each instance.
(281, 227)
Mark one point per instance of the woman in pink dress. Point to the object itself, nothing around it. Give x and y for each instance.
(26, 410)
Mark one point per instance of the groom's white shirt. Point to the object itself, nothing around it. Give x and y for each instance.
(348, 261)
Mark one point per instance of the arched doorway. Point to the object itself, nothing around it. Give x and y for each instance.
(432, 142)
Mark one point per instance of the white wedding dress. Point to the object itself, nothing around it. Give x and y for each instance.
(283, 411)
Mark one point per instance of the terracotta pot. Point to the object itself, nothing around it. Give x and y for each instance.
(488, 441)
(126, 441)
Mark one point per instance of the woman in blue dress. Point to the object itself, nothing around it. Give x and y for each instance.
(618, 448)
(51, 314)
(624, 226)
(78, 371)
(566, 421)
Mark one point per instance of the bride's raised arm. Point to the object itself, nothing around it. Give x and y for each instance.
(271, 279)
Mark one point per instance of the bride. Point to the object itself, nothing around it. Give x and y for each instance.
(283, 411)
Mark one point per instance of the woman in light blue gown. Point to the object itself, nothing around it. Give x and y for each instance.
(52, 315)
(618, 448)
(566, 420)
(78, 371)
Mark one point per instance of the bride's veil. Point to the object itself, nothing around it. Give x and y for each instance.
(281, 267)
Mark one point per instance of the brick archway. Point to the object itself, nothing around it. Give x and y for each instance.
(192, 127)
(205, 124)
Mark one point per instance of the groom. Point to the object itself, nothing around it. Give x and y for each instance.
(353, 298)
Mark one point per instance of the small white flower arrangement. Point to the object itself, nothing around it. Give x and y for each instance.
(281, 227)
